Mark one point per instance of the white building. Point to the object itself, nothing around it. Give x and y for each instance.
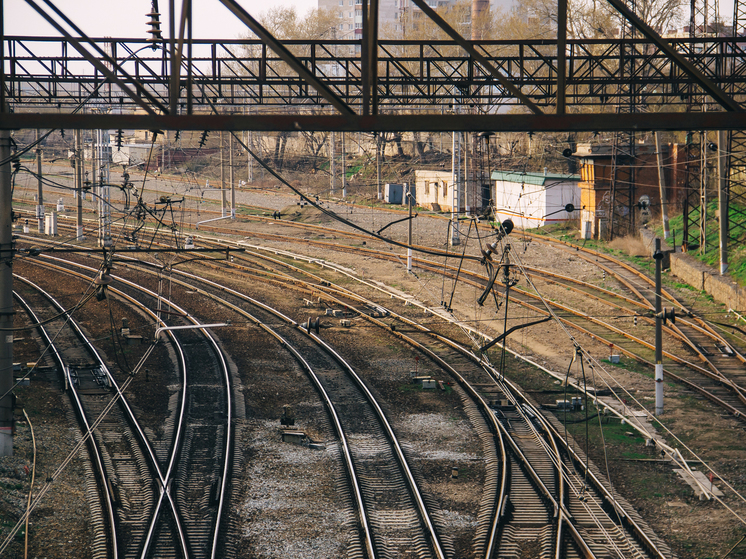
(535, 199)
(434, 190)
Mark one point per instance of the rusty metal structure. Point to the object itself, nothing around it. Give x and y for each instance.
(181, 82)
(175, 81)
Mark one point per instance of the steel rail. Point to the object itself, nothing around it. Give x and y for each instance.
(228, 437)
(714, 376)
(179, 436)
(470, 355)
(551, 430)
(599, 338)
(561, 513)
(164, 478)
(651, 282)
(412, 484)
(514, 390)
(104, 494)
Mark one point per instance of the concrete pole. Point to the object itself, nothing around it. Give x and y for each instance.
(378, 164)
(332, 170)
(662, 185)
(723, 202)
(39, 189)
(78, 185)
(6, 299)
(455, 163)
(251, 159)
(344, 168)
(658, 256)
(94, 182)
(408, 189)
(230, 175)
(223, 199)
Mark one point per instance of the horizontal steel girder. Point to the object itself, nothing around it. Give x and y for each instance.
(384, 123)
(411, 75)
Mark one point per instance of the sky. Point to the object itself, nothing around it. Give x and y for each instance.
(117, 18)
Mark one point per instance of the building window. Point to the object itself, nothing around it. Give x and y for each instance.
(349, 26)
(445, 189)
(341, 26)
(358, 26)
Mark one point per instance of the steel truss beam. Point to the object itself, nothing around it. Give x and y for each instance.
(382, 123)
(408, 77)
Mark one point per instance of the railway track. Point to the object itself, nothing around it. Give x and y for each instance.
(191, 472)
(589, 528)
(398, 518)
(719, 376)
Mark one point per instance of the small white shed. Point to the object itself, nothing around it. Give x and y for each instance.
(535, 199)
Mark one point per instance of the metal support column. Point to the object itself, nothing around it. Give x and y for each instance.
(6, 299)
(40, 191)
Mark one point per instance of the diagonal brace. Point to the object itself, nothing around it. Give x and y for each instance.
(726, 101)
(511, 330)
(288, 57)
(464, 44)
(94, 61)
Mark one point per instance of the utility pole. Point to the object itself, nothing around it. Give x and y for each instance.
(662, 185)
(78, 185)
(251, 159)
(93, 160)
(40, 191)
(344, 168)
(658, 256)
(456, 173)
(6, 299)
(104, 193)
(724, 218)
(378, 164)
(230, 175)
(332, 171)
(223, 201)
(409, 241)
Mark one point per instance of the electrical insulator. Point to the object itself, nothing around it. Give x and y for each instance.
(120, 133)
(155, 27)
(203, 138)
(178, 135)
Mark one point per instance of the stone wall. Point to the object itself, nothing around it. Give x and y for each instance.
(701, 276)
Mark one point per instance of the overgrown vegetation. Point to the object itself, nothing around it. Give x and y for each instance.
(711, 253)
